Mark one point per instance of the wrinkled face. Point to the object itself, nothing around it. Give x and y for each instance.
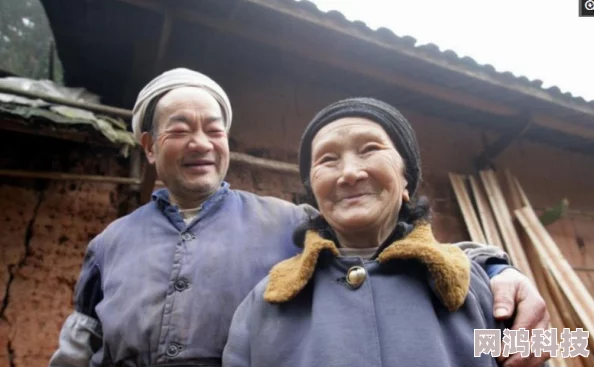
(189, 146)
(357, 176)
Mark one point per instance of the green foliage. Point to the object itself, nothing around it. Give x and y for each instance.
(25, 39)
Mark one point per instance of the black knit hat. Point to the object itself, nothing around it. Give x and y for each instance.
(395, 125)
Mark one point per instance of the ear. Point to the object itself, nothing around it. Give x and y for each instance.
(405, 196)
(146, 140)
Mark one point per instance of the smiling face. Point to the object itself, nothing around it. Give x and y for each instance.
(357, 177)
(189, 146)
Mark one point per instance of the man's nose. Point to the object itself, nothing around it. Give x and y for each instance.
(200, 142)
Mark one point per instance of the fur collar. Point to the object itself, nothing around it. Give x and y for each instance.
(447, 264)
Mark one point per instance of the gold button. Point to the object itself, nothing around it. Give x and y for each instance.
(356, 276)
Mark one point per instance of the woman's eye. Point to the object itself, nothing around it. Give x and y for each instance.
(370, 148)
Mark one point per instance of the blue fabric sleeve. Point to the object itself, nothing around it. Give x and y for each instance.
(88, 291)
(494, 269)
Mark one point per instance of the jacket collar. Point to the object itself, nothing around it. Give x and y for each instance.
(162, 201)
(448, 266)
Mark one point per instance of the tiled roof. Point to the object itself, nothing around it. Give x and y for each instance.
(431, 52)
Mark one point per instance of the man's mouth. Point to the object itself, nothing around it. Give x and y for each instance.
(199, 166)
(199, 163)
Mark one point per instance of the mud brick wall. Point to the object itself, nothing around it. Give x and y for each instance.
(45, 227)
(265, 182)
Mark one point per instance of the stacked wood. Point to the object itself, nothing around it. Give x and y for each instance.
(472, 222)
(517, 229)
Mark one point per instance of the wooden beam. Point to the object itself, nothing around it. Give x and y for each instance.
(497, 147)
(241, 158)
(586, 131)
(266, 164)
(68, 177)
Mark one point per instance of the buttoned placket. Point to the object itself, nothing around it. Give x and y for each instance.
(359, 270)
(169, 347)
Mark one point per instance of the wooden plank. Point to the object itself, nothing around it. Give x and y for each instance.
(557, 321)
(517, 198)
(264, 163)
(573, 288)
(568, 315)
(566, 308)
(561, 306)
(468, 213)
(543, 282)
(242, 158)
(486, 216)
(504, 221)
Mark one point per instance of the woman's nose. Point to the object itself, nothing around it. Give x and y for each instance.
(352, 172)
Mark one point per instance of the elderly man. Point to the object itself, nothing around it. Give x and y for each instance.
(159, 286)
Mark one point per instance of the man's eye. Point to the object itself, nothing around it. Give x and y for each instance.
(178, 132)
(327, 158)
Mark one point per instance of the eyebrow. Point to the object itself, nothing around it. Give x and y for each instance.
(357, 136)
(369, 135)
(182, 117)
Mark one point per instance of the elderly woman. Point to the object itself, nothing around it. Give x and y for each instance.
(372, 286)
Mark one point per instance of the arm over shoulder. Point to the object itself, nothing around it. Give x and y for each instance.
(491, 258)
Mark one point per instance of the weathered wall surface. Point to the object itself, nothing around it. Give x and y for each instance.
(45, 229)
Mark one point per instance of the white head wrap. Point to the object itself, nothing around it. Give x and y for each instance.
(173, 79)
